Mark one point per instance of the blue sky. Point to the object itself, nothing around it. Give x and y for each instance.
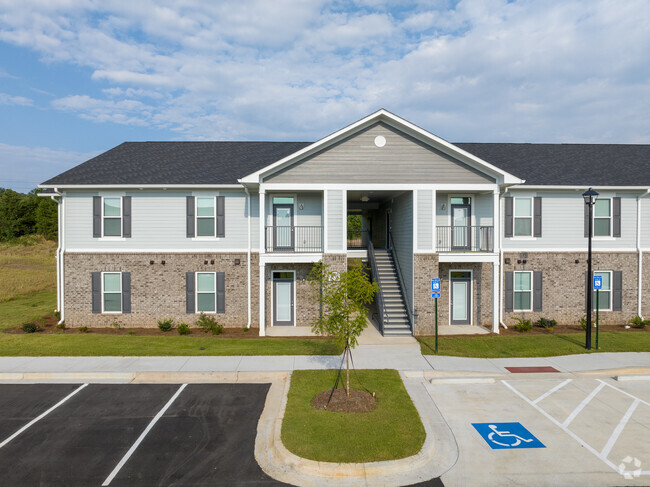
(78, 77)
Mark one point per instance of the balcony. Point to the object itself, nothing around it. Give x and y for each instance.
(293, 239)
(465, 239)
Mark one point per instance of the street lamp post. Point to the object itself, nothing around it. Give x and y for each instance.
(590, 196)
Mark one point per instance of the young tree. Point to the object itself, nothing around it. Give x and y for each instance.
(343, 298)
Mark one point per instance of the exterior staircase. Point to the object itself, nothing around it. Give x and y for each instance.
(394, 305)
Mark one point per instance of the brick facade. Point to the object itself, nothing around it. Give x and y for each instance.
(564, 283)
(305, 309)
(157, 290)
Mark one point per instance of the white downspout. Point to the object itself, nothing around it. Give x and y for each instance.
(640, 252)
(62, 259)
(501, 283)
(249, 258)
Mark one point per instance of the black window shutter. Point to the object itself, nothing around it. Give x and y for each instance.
(616, 214)
(221, 292)
(537, 291)
(126, 292)
(97, 216)
(126, 216)
(510, 296)
(190, 216)
(508, 217)
(97, 291)
(586, 221)
(221, 216)
(537, 219)
(189, 292)
(617, 294)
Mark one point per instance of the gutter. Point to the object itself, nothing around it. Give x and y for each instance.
(248, 260)
(639, 251)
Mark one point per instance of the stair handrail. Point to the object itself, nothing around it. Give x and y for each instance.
(381, 309)
(409, 312)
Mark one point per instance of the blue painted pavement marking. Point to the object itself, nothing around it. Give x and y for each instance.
(506, 436)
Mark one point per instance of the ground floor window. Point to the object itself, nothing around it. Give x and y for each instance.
(523, 291)
(605, 294)
(206, 292)
(111, 292)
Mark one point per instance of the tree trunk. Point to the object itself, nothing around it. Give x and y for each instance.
(347, 359)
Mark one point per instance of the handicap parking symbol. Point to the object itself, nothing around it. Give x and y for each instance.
(503, 436)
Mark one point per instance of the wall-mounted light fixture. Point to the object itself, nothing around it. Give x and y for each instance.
(443, 206)
(300, 206)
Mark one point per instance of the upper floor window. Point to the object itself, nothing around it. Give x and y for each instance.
(603, 217)
(205, 217)
(523, 217)
(523, 291)
(112, 217)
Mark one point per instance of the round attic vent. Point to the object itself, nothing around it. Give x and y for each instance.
(380, 141)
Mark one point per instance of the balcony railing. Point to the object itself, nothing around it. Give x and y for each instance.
(294, 239)
(465, 239)
(357, 238)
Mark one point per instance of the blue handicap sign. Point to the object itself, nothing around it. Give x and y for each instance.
(435, 288)
(505, 436)
(598, 282)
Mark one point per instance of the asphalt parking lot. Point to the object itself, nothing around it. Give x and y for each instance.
(130, 434)
(590, 431)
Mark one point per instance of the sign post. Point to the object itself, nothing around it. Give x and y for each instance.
(598, 285)
(435, 293)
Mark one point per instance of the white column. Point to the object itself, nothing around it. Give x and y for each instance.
(262, 298)
(434, 237)
(262, 205)
(496, 266)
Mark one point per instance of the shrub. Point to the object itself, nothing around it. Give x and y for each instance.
(61, 326)
(166, 325)
(183, 329)
(131, 332)
(638, 322)
(523, 325)
(246, 329)
(57, 314)
(583, 322)
(209, 323)
(83, 329)
(30, 328)
(546, 323)
(115, 324)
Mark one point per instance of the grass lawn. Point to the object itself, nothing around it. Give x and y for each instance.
(393, 430)
(27, 265)
(547, 345)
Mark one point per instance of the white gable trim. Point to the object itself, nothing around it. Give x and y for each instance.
(383, 115)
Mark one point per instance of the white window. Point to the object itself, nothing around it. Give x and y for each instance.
(603, 217)
(605, 294)
(523, 218)
(112, 217)
(205, 217)
(523, 291)
(206, 292)
(111, 292)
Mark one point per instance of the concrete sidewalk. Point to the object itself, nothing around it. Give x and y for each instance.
(403, 357)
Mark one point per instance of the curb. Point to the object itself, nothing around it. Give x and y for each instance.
(438, 453)
(142, 377)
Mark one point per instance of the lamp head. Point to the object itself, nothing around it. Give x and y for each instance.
(590, 196)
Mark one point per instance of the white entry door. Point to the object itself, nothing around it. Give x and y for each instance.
(283, 302)
(461, 298)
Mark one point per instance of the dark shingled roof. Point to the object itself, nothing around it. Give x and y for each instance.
(569, 164)
(225, 162)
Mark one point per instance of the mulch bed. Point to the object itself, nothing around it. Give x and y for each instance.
(358, 402)
(570, 329)
(48, 327)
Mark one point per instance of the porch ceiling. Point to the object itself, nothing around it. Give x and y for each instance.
(374, 196)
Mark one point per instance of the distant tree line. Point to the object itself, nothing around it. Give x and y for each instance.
(27, 214)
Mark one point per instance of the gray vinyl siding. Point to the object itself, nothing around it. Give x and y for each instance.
(402, 230)
(158, 222)
(563, 223)
(402, 160)
(255, 221)
(645, 222)
(483, 210)
(425, 219)
(336, 224)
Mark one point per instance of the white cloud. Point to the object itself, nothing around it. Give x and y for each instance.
(562, 70)
(6, 99)
(23, 168)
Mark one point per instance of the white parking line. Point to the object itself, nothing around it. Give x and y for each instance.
(548, 393)
(601, 455)
(623, 392)
(619, 429)
(38, 418)
(126, 457)
(582, 405)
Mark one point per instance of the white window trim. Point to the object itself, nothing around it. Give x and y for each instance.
(610, 291)
(121, 235)
(471, 295)
(197, 292)
(514, 291)
(196, 219)
(295, 304)
(531, 217)
(611, 221)
(112, 292)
